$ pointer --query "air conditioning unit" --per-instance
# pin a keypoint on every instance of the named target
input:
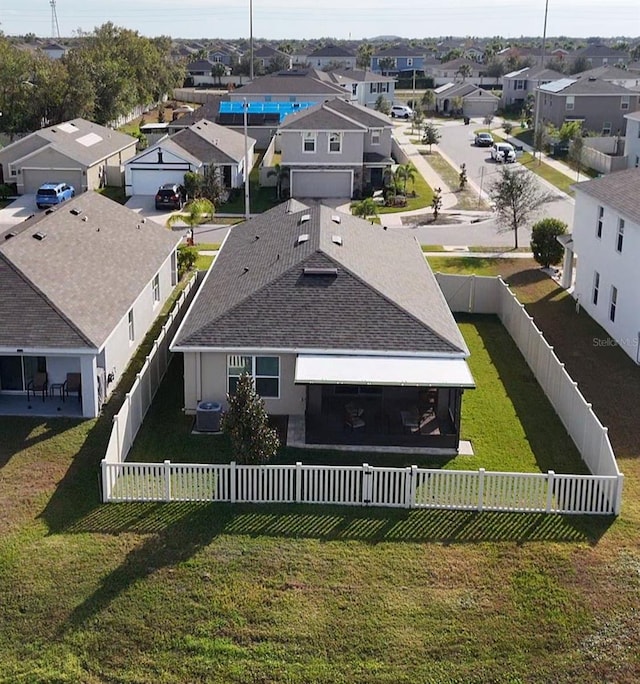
(208, 416)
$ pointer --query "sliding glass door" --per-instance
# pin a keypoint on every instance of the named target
(16, 371)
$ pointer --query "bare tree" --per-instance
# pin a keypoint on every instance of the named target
(517, 197)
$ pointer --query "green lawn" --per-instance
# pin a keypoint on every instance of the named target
(261, 199)
(423, 197)
(114, 193)
(466, 199)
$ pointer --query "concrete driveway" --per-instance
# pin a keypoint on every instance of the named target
(19, 210)
(145, 205)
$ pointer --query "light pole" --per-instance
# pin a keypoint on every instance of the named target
(247, 206)
(536, 124)
(251, 39)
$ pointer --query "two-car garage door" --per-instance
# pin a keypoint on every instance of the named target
(32, 179)
(321, 184)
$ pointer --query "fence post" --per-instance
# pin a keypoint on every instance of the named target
(167, 480)
(106, 486)
(366, 484)
(480, 489)
(232, 481)
(472, 293)
(618, 502)
(298, 481)
(411, 486)
(550, 477)
(116, 426)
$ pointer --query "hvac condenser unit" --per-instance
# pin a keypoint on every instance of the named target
(208, 416)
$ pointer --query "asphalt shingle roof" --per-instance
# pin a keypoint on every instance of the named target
(336, 115)
(87, 271)
(620, 190)
(587, 86)
(212, 144)
(294, 82)
(383, 296)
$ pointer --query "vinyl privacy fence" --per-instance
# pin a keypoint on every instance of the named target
(364, 485)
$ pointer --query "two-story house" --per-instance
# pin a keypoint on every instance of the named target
(295, 85)
(394, 60)
(632, 140)
(599, 105)
(599, 55)
(518, 85)
(365, 86)
(266, 56)
(335, 149)
(458, 70)
(332, 56)
(613, 74)
(606, 241)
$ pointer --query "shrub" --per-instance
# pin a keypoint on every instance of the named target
(187, 257)
(547, 251)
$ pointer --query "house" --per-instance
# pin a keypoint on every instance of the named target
(365, 86)
(613, 74)
(302, 85)
(267, 57)
(606, 242)
(80, 287)
(300, 299)
(599, 105)
(201, 146)
(458, 70)
(393, 60)
(632, 140)
(79, 152)
(475, 100)
(332, 56)
(597, 55)
(335, 149)
(54, 50)
(518, 85)
(474, 52)
(200, 73)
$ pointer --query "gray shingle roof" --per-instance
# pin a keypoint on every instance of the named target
(212, 144)
(400, 51)
(295, 82)
(331, 51)
(588, 86)
(336, 115)
(90, 271)
(384, 296)
(359, 75)
(620, 190)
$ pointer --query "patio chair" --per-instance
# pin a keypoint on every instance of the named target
(353, 420)
(72, 384)
(38, 383)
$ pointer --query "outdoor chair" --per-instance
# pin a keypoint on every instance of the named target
(38, 383)
(353, 421)
(73, 384)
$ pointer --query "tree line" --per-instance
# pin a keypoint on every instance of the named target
(110, 72)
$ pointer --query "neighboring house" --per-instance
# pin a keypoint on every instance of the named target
(300, 298)
(54, 50)
(301, 85)
(474, 52)
(200, 72)
(365, 87)
(599, 105)
(606, 241)
(335, 149)
(475, 101)
(613, 74)
(632, 140)
(518, 85)
(220, 56)
(80, 287)
(266, 55)
(458, 70)
(394, 60)
(204, 145)
(209, 110)
(332, 56)
(600, 55)
(79, 152)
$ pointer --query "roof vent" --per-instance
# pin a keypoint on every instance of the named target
(335, 218)
(39, 235)
(314, 271)
(75, 211)
(592, 78)
(336, 239)
(304, 218)
(302, 238)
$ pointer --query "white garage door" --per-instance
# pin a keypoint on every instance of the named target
(32, 179)
(321, 184)
(147, 181)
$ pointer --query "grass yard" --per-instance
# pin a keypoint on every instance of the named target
(261, 199)
(466, 199)
(173, 593)
(114, 193)
(423, 197)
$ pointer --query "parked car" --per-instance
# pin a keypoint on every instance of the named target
(483, 140)
(401, 112)
(503, 152)
(50, 194)
(170, 196)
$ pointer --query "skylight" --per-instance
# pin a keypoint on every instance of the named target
(67, 127)
(89, 139)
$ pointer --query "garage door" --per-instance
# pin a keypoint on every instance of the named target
(321, 184)
(147, 181)
(32, 179)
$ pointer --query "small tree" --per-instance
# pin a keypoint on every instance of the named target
(196, 212)
(488, 120)
(187, 257)
(382, 105)
(430, 135)
(507, 127)
(463, 176)
(457, 105)
(281, 173)
(193, 184)
(247, 424)
(547, 251)
(364, 208)
(575, 153)
(517, 197)
(428, 100)
(436, 202)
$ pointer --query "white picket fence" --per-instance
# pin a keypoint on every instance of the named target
(364, 485)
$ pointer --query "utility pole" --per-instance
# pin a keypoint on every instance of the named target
(55, 28)
(536, 124)
(251, 39)
(247, 205)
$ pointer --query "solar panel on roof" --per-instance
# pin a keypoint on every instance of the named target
(276, 109)
(557, 86)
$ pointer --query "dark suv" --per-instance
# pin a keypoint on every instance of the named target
(170, 196)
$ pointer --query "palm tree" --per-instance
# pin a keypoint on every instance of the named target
(465, 71)
(406, 172)
(281, 173)
(365, 52)
(196, 212)
(364, 208)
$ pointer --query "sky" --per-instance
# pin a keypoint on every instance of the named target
(357, 19)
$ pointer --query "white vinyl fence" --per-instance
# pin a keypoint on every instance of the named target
(364, 485)
(128, 420)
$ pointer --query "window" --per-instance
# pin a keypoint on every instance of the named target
(309, 142)
(606, 128)
(265, 371)
(155, 289)
(519, 85)
(600, 222)
(335, 142)
(375, 136)
(613, 303)
(132, 331)
(624, 102)
(596, 288)
(620, 236)
(570, 102)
